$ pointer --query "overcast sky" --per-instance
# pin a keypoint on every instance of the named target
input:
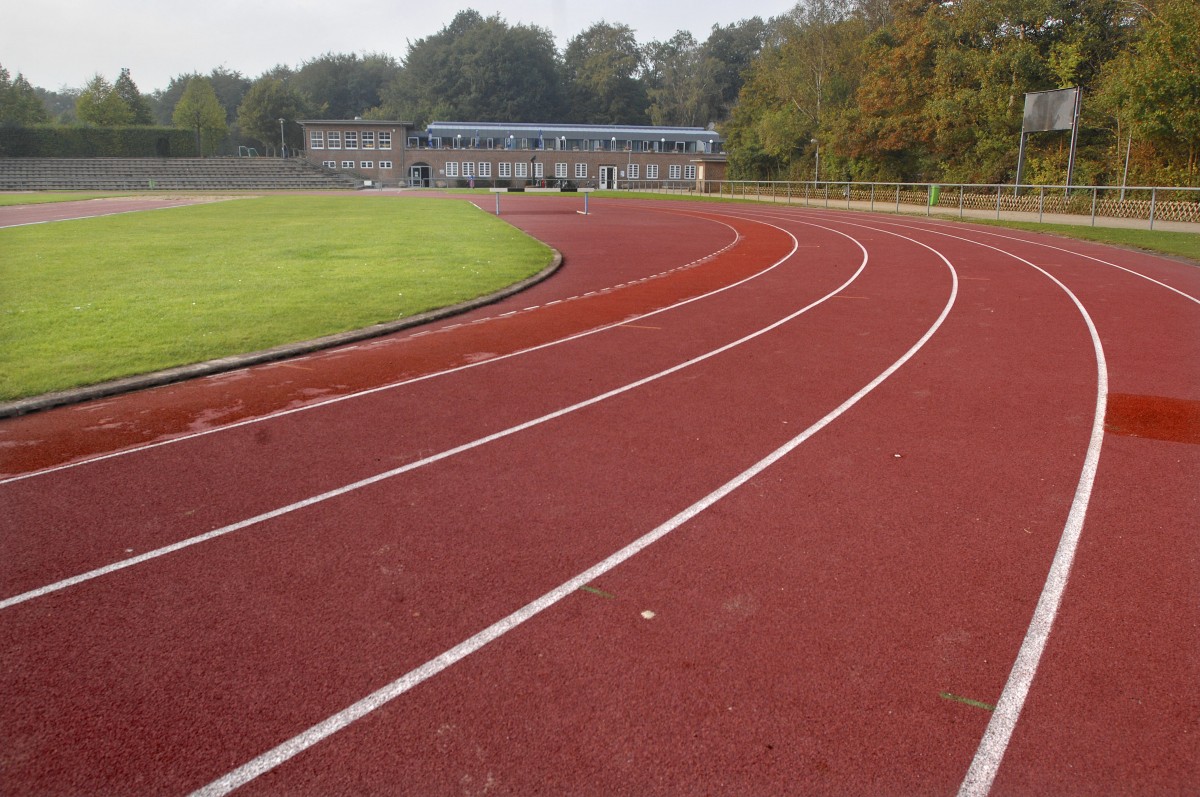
(57, 43)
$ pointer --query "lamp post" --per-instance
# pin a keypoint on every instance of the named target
(282, 145)
(816, 161)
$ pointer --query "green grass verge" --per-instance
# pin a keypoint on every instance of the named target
(90, 300)
(1180, 244)
(45, 198)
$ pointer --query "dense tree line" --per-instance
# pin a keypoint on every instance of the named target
(921, 90)
(918, 90)
(476, 67)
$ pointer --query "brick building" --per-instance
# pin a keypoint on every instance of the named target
(491, 154)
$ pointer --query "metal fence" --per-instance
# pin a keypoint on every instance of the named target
(1138, 206)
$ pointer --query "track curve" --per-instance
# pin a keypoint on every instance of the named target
(863, 439)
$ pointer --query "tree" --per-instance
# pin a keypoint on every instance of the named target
(99, 105)
(602, 67)
(807, 73)
(19, 103)
(229, 86)
(729, 52)
(480, 70)
(199, 110)
(680, 82)
(268, 101)
(128, 92)
(1159, 81)
(341, 86)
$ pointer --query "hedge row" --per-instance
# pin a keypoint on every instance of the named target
(96, 142)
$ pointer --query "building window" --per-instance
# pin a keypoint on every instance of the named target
(560, 170)
(329, 164)
(452, 169)
(651, 171)
(689, 172)
(413, 141)
(347, 164)
(316, 139)
(485, 169)
(335, 139)
(537, 169)
(366, 164)
(581, 170)
(635, 171)
(674, 171)
(385, 164)
(435, 142)
(351, 139)
(468, 168)
(505, 170)
(368, 138)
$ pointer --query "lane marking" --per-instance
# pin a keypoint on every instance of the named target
(379, 477)
(183, 204)
(1187, 296)
(992, 747)
(336, 722)
(391, 386)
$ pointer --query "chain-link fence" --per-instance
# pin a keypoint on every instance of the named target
(1140, 206)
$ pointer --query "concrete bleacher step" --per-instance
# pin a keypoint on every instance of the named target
(170, 174)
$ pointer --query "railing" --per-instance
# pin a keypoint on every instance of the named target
(1112, 205)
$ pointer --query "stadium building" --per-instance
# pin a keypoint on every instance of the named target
(491, 154)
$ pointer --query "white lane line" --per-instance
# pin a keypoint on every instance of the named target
(1187, 296)
(183, 204)
(358, 485)
(331, 725)
(994, 743)
(404, 382)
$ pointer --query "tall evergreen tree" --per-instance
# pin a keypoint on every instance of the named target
(20, 105)
(138, 106)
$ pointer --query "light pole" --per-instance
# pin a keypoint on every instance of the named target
(282, 145)
(816, 161)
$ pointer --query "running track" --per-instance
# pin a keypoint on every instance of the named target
(742, 501)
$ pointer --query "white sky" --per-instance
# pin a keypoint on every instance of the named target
(57, 43)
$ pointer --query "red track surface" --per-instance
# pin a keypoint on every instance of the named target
(815, 630)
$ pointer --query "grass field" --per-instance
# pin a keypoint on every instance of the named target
(90, 300)
(30, 198)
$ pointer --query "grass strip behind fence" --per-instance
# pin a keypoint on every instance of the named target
(90, 300)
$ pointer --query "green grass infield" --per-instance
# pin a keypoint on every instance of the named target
(91, 300)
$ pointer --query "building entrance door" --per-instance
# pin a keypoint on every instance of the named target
(419, 176)
(608, 177)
